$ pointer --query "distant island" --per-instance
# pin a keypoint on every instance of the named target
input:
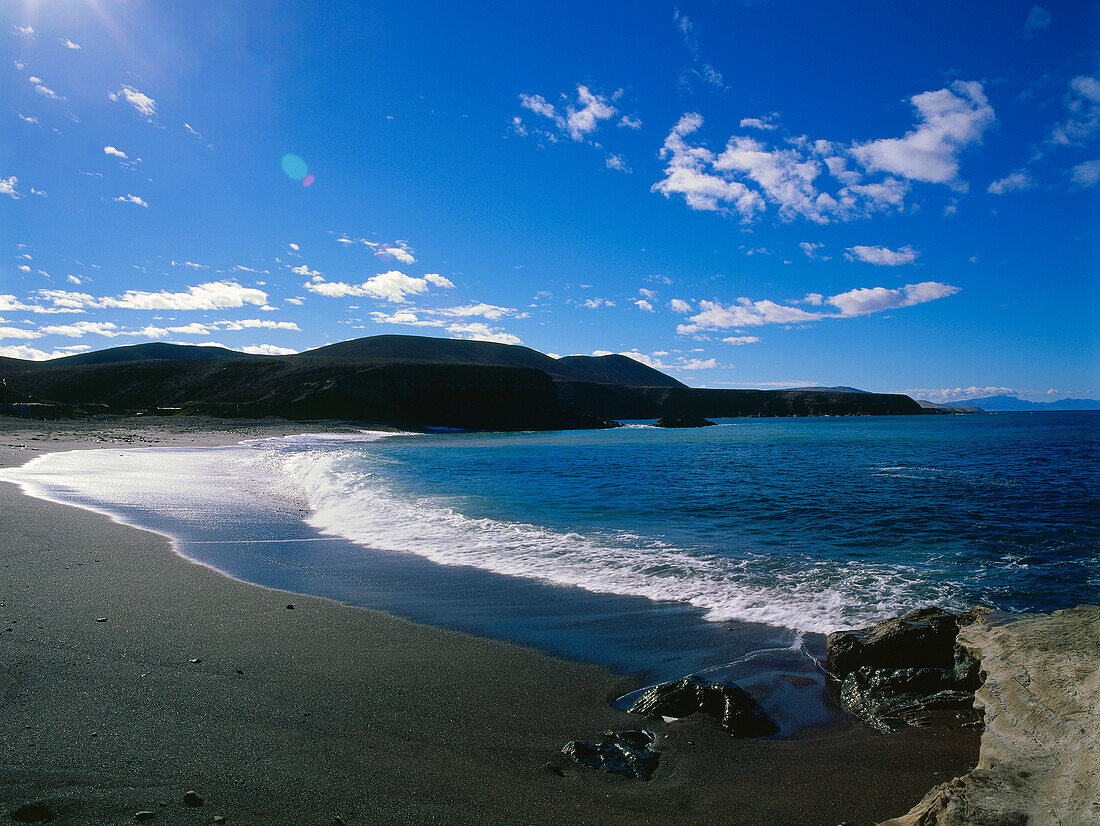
(1011, 404)
(408, 381)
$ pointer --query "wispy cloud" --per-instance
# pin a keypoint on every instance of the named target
(9, 186)
(136, 200)
(745, 312)
(68, 44)
(1037, 20)
(1085, 175)
(1017, 181)
(1082, 102)
(213, 295)
(701, 69)
(118, 153)
(142, 103)
(575, 120)
(23, 31)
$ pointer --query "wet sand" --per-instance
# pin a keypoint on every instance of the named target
(326, 710)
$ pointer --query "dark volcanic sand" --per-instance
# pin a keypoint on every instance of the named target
(298, 716)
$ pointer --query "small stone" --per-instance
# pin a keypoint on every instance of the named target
(100, 619)
(290, 607)
(140, 816)
(240, 671)
(219, 819)
(192, 798)
(32, 813)
(194, 660)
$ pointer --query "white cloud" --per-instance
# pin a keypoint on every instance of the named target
(21, 351)
(304, 271)
(78, 329)
(390, 286)
(405, 317)
(268, 350)
(478, 331)
(137, 200)
(294, 247)
(739, 340)
(213, 295)
(1017, 181)
(1083, 104)
(745, 312)
(695, 364)
(810, 248)
(398, 250)
(642, 304)
(118, 153)
(489, 311)
(947, 395)
(617, 163)
(68, 44)
(877, 299)
(24, 268)
(28, 119)
(190, 264)
(630, 121)
(72, 279)
(191, 130)
(596, 303)
(950, 120)
(43, 89)
(814, 299)
(8, 187)
(882, 256)
(142, 103)
(575, 120)
(1086, 175)
(18, 332)
(1038, 18)
(678, 305)
(297, 301)
(23, 31)
(759, 123)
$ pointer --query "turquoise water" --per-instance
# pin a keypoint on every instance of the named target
(659, 551)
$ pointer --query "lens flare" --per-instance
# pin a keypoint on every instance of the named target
(308, 179)
(294, 167)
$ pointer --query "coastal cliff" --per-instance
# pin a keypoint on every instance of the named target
(1040, 752)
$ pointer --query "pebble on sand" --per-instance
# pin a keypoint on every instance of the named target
(100, 619)
(192, 798)
(194, 660)
(146, 815)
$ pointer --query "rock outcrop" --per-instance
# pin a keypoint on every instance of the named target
(684, 421)
(625, 753)
(1039, 763)
(733, 707)
(907, 671)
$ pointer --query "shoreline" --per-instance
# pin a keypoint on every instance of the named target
(325, 720)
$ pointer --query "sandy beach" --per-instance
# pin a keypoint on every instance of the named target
(129, 676)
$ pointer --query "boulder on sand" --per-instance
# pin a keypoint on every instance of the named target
(735, 709)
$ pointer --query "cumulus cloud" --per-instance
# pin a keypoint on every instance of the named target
(267, 350)
(1017, 181)
(489, 311)
(1086, 175)
(407, 317)
(877, 299)
(118, 153)
(390, 286)
(142, 103)
(18, 332)
(21, 351)
(810, 248)
(617, 163)
(739, 340)
(213, 295)
(9, 186)
(678, 305)
(882, 256)
(643, 304)
(479, 331)
(950, 120)
(137, 200)
(78, 329)
(745, 312)
(596, 303)
(305, 271)
(764, 123)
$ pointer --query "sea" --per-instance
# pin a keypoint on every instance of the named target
(728, 551)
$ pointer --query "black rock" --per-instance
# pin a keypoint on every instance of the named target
(143, 816)
(904, 671)
(625, 753)
(192, 799)
(32, 813)
(734, 708)
(687, 420)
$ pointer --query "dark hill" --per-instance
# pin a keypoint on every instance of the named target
(407, 381)
(145, 352)
(613, 369)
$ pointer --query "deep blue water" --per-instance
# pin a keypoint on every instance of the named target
(661, 551)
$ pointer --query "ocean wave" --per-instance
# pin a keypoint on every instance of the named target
(350, 496)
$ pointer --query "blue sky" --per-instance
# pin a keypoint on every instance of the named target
(899, 197)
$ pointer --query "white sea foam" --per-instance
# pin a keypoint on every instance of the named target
(355, 501)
